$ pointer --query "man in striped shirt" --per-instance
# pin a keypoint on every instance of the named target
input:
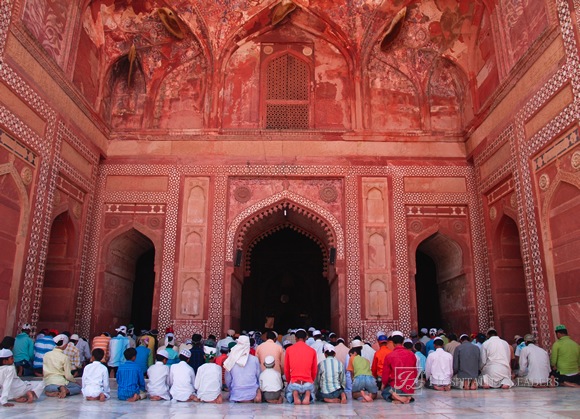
(43, 345)
(330, 379)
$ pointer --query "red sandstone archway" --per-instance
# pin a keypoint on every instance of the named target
(281, 215)
(14, 212)
(453, 277)
(508, 285)
(60, 285)
(561, 216)
(117, 277)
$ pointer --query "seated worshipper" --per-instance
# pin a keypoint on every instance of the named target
(197, 355)
(364, 385)
(143, 351)
(271, 347)
(171, 349)
(223, 343)
(24, 351)
(453, 343)
(11, 386)
(300, 370)
(379, 358)
(341, 350)
(117, 346)
(182, 379)
(331, 379)
(96, 378)
(224, 351)
(243, 373)
(43, 345)
(439, 367)
(74, 355)
(208, 380)
(158, 374)
(429, 346)
(565, 358)
(495, 360)
(534, 365)
(130, 381)
(399, 373)
(58, 379)
(466, 363)
(271, 384)
(421, 359)
(102, 341)
(83, 347)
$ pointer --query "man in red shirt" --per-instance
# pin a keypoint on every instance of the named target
(399, 373)
(300, 369)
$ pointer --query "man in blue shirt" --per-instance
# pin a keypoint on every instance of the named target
(24, 351)
(117, 346)
(130, 381)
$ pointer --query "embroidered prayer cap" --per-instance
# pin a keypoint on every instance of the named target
(286, 343)
(328, 347)
(121, 329)
(60, 337)
(6, 353)
(269, 361)
(356, 344)
(432, 331)
(317, 333)
(185, 353)
(163, 353)
(26, 326)
(397, 333)
(560, 327)
(529, 338)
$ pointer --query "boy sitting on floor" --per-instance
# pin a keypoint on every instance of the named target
(96, 378)
(130, 381)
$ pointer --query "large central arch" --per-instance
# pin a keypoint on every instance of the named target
(269, 218)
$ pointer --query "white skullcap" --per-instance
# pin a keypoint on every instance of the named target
(60, 337)
(6, 353)
(185, 353)
(397, 333)
(163, 353)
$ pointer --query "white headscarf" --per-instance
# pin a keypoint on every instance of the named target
(239, 354)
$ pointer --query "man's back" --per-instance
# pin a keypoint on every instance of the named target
(300, 363)
(565, 355)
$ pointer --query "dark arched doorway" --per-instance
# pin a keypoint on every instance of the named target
(286, 282)
(57, 309)
(442, 286)
(126, 292)
(428, 308)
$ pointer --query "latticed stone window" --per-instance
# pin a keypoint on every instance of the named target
(286, 100)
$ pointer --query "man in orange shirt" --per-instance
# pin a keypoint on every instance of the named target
(102, 342)
(379, 359)
(270, 347)
(300, 369)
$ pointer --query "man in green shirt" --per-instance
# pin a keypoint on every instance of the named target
(565, 359)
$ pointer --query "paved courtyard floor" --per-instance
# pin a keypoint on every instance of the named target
(521, 403)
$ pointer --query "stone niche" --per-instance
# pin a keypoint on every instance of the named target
(192, 251)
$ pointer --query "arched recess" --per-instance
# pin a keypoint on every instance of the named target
(508, 284)
(562, 241)
(128, 279)
(286, 215)
(441, 279)
(60, 284)
(314, 36)
(14, 209)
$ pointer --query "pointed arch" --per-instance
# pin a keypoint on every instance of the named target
(328, 225)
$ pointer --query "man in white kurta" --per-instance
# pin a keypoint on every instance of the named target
(439, 367)
(13, 388)
(96, 378)
(208, 380)
(495, 362)
(182, 379)
(534, 363)
(158, 373)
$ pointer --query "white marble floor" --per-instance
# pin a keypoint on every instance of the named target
(519, 402)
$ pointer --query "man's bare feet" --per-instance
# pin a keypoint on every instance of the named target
(343, 399)
(91, 399)
(30, 396)
(366, 397)
(219, 400)
(154, 398)
(306, 399)
(62, 392)
(473, 385)
(331, 400)
(258, 398)
(22, 399)
(51, 393)
(102, 397)
(505, 387)
(133, 398)
(8, 405)
(296, 397)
